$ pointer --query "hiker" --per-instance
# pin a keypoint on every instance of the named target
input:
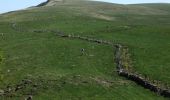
(82, 51)
(29, 98)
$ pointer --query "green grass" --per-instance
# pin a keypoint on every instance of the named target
(27, 54)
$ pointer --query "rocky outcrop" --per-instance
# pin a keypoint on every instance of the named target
(50, 3)
(44, 3)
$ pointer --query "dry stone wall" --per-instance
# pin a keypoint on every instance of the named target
(122, 61)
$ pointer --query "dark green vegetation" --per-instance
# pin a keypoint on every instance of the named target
(0, 57)
(57, 67)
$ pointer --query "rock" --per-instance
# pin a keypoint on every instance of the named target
(69, 36)
(26, 81)
(8, 71)
(9, 89)
(73, 65)
(2, 92)
(91, 55)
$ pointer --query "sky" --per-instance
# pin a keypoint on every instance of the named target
(11, 5)
(135, 1)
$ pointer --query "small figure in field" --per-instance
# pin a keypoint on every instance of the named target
(82, 51)
(29, 98)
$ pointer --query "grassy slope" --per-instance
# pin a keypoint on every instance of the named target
(44, 55)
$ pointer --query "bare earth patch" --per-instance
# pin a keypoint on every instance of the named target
(101, 16)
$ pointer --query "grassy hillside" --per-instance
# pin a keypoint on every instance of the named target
(57, 68)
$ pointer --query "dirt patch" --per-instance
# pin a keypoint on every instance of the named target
(108, 83)
(102, 16)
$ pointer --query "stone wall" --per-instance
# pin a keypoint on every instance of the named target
(122, 61)
(137, 78)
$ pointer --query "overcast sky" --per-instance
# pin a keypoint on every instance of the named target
(10, 5)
